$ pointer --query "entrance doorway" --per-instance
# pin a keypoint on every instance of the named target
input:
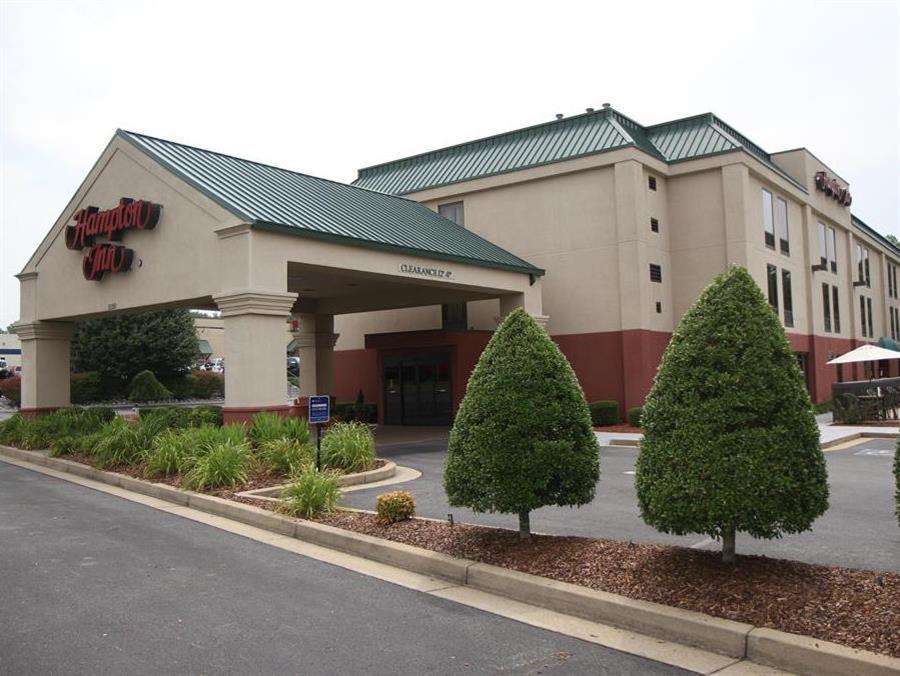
(417, 389)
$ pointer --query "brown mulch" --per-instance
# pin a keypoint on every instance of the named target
(856, 608)
(631, 429)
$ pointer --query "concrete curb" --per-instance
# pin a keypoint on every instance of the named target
(857, 435)
(386, 471)
(800, 654)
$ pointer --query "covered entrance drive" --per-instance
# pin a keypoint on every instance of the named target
(157, 224)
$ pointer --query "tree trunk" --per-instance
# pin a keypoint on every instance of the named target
(524, 525)
(728, 546)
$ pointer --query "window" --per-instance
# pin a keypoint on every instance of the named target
(869, 305)
(826, 307)
(823, 245)
(651, 182)
(768, 219)
(654, 225)
(893, 292)
(862, 266)
(772, 276)
(655, 273)
(836, 307)
(832, 249)
(787, 298)
(781, 223)
(658, 308)
(893, 313)
(454, 212)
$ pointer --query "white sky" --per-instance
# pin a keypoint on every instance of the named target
(326, 88)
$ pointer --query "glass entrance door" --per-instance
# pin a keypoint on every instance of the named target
(417, 390)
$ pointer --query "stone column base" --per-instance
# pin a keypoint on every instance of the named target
(35, 412)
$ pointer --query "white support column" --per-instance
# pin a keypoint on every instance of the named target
(255, 349)
(315, 349)
(531, 300)
(45, 365)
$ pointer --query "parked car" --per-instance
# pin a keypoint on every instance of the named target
(293, 366)
(5, 371)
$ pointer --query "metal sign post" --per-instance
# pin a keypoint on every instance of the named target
(319, 414)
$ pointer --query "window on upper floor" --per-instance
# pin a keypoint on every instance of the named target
(823, 244)
(787, 297)
(654, 225)
(781, 225)
(655, 273)
(772, 283)
(453, 211)
(865, 317)
(768, 219)
(832, 249)
(651, 182)
(862, 266)
(893, 292)
(836, 308)
(826, 307)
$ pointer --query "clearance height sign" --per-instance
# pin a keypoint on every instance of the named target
(109, 256)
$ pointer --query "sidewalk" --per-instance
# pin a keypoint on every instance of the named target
(828, 433)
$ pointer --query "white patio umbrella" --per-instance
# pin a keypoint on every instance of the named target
(865, 353)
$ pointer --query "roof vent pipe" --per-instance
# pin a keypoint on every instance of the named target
(589, 110)
(559, 116)
(606, 105)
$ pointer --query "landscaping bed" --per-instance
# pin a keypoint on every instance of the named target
(856, 608)
(630, 429)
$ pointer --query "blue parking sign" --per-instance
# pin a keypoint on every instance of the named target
(319, 409)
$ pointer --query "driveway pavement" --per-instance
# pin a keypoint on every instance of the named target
(859, 530)
(93, 584)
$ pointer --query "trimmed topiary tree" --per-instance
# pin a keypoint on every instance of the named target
(145, 387)
(522, 438)
(730, 438)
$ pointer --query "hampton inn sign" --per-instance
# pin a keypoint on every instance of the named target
(91, 223)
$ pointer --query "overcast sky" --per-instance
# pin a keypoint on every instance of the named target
(326, 88)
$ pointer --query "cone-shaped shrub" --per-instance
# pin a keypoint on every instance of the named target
(522, 437)
(730, 438)
(145, 387)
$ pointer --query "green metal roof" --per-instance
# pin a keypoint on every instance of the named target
(272, 198)
(203, 346)
(565, 139)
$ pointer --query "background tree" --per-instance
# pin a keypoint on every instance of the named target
(522, 437)
(118, 348)
(9, 329)
(730, 438)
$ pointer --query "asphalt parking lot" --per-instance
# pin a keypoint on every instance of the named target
(859, 530)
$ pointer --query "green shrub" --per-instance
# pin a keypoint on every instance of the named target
(310, 493)
(11, 430)
(287, 456)
(295, 381)
(206, 385)
(269, 426)
(207, 415)
(730, 440)
(823, 407)
(522, 437)
(224, 465)
(604, 413)
(395, 506)
(348, 446)
(168, 453)
(847, 409)
(170, 417)
(358, 411)
(64, 446)
(897, 480)
(124, 443)
(145, 387)
(87, 388)
(11, 388)
(41, 431)
(634, 416)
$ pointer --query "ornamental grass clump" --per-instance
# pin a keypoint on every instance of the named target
(310, 493)
(168, 454)
(286, 456)
(730, 440)
(522, 438)
(395, 506)
(348, 446)
(223, 466)
(42, 431)
(124, 443)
